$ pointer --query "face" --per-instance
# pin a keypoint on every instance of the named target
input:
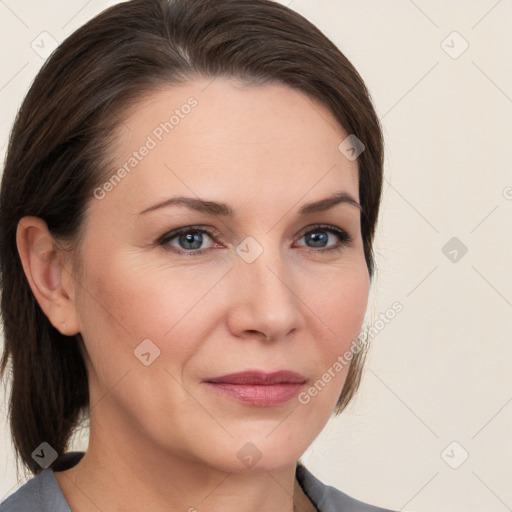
(176, 297)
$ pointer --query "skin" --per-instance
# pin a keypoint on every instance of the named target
(160, 439)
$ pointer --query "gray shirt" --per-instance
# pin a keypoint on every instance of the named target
(43, 494)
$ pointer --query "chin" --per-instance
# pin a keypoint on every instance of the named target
(263, 452)
(242, 454)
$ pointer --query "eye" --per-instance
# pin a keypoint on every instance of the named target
(189, 240)
(319, 237)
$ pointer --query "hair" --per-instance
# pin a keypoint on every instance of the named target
(58, 154)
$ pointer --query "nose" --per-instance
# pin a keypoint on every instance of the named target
(264, 303)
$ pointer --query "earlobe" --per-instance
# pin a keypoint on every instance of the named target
(47, 274)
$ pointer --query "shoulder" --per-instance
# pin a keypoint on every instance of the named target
(42, 492)
(31, 496)
(330, 499)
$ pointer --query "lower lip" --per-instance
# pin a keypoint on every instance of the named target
(263, 395)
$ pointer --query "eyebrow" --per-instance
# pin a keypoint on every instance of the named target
(222, 209)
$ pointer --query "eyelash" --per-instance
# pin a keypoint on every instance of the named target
(345, 238)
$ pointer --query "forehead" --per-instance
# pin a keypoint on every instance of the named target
(220, 139)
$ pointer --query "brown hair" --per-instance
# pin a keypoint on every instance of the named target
(58, 147)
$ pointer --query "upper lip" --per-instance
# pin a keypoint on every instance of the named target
(257, 377)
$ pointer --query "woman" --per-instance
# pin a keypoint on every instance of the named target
(188, 209)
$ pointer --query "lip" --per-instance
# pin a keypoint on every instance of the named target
(258, 388)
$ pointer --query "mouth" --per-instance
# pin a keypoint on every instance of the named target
(258, 388)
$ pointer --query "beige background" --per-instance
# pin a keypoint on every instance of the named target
(438, 373)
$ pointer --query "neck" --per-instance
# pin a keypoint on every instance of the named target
(117, 473)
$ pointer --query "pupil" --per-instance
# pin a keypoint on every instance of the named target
(189, 238)
(318, 237)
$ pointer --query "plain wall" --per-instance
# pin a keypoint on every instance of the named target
(437, 385)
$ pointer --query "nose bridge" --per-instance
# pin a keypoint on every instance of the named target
(265, 300)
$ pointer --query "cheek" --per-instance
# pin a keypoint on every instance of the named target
(347, 305)
(123, 303)
(340, 304)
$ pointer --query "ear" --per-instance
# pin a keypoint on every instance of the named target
(49, 274)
